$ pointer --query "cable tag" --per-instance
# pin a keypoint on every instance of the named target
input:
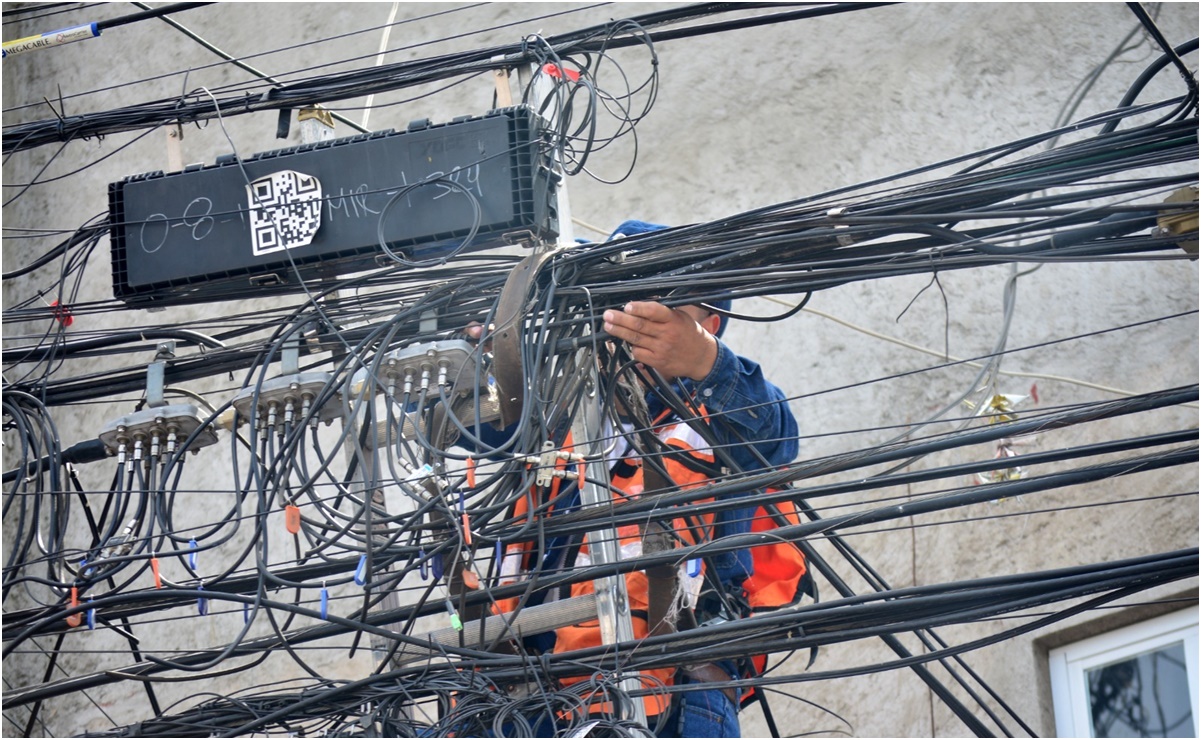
(466, 520)
(202, 604)
(360, 573)
(324, 602)
(420, 474)
(51, 38)
(194, 554)
(292, 518)
(75, 619)
(470, 579)
(694, 567)
(158, 579)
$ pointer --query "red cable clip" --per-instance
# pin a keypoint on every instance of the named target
(62, 314)
(555, 70)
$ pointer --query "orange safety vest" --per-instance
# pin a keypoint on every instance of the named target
(587, 634)
(775, 582)
(778, 567)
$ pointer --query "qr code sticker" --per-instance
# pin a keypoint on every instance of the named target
(285, 211)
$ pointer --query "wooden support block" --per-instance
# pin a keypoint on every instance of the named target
(174, 148)
(504, 94)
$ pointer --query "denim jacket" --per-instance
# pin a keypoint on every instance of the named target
(747, 414)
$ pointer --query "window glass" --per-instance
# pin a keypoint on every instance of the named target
(1137, 681)
(1143, 696)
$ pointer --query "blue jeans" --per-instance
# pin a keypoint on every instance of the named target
(702, 713)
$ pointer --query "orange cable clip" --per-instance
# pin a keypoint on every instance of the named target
(292, 518)
(75, 619)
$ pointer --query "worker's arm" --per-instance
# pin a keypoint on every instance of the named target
(745, 407)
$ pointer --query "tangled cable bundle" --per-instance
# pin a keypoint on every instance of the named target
(384, 461)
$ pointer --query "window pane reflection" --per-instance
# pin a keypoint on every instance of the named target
(1144, 696)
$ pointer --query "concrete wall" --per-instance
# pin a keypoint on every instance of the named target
(743, 119)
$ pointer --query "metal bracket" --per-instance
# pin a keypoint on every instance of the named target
(506, 351)
(156, 375)
(612, 600)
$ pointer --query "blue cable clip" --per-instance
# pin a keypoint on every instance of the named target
(245, 613)
(194, 554)
(360, 573)
(423, 564)
(202, 604)
(500, 555)
(436, 562)
(324, 602)
(694, 567)
(91, 616)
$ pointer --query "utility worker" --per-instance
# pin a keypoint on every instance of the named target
(751, 422)
(682, 344)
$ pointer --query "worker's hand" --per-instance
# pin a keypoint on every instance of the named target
(474, 331)
(670, 340)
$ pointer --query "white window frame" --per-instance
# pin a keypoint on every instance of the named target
(1069, 664)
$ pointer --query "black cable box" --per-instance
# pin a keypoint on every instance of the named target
(270, 223)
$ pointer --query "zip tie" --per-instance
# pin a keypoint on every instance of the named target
(202, 604)
(292, 518)
(360, 573)
(694, 567)
(158, 579)
(75, 619)
(454, 617)
(324, 602)
(91, 616)
(194, 554)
